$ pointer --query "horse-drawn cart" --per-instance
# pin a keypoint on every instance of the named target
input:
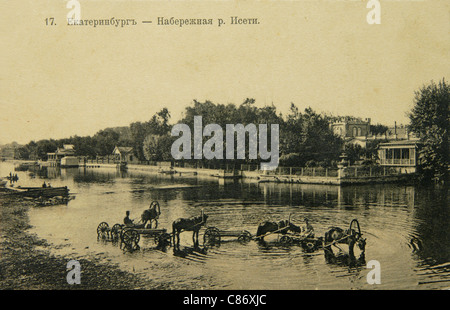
(309, 244)
(129, 237)
(213, 235)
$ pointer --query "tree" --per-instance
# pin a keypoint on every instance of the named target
(309, 137)
(429, 119)
(157, 148)
(105, 141)
(157, 125)
(378, 129)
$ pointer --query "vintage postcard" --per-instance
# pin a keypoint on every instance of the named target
(224, 146)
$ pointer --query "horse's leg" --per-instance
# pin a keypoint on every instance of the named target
(156, 223)
(173, 236)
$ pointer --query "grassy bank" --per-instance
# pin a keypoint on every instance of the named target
(26, 261)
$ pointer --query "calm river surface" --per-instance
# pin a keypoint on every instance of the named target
(407, 229)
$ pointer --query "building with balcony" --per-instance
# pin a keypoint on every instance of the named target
(67, 152)
(401, 154)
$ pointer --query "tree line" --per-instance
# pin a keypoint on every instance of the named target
(306, 138)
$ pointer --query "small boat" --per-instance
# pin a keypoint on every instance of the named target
(36, 191)
(167, 171)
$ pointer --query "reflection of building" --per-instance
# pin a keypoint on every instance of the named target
(64, 156)
(402, 154)
(124, 154)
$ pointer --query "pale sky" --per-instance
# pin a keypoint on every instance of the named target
(59, 81)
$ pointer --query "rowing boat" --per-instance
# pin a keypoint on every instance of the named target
(36, 191)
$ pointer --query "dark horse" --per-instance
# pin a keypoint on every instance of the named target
(281, 227)
(351, 237)
(152, 213)
(188, 224)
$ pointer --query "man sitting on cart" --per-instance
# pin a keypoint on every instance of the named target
(129, 222)
(307, 230)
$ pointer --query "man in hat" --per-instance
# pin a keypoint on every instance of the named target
(127, 221)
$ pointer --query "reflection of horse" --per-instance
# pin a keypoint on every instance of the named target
(351, 237)
(281, 227)
(188, 224)
(152, 213)
(195, 253)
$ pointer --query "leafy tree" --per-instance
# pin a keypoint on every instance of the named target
(157, 125)
(157, 148)
(429, 119)
(105, 141)
(309, 136)
(378, 129)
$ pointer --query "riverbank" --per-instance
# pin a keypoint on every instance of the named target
(322, 176)
(26, 261)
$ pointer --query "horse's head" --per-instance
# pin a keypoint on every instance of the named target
(201, 219)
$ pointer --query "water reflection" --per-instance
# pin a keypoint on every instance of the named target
(407, 228)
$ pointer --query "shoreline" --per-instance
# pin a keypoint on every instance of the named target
(26, 262)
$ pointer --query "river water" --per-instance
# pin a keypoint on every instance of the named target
(407, 229)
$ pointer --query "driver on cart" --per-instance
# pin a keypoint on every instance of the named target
(129, 222)
(307, 230)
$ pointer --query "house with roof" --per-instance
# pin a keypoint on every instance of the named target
(63, 156)
(124, 154)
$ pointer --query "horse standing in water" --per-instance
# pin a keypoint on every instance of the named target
(151, 214)
(281, 227)
(188, 224)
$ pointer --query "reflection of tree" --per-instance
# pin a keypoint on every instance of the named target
(432, 225)
(92, 177)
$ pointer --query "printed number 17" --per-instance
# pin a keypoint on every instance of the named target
(50, 21)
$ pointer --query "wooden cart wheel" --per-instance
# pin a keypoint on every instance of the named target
(211, 235)
(102, 229)
(286, 240)
(309, 246)
(130, 239)
(245, 236)
(115, 231)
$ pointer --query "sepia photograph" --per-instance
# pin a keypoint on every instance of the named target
(210, 146)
